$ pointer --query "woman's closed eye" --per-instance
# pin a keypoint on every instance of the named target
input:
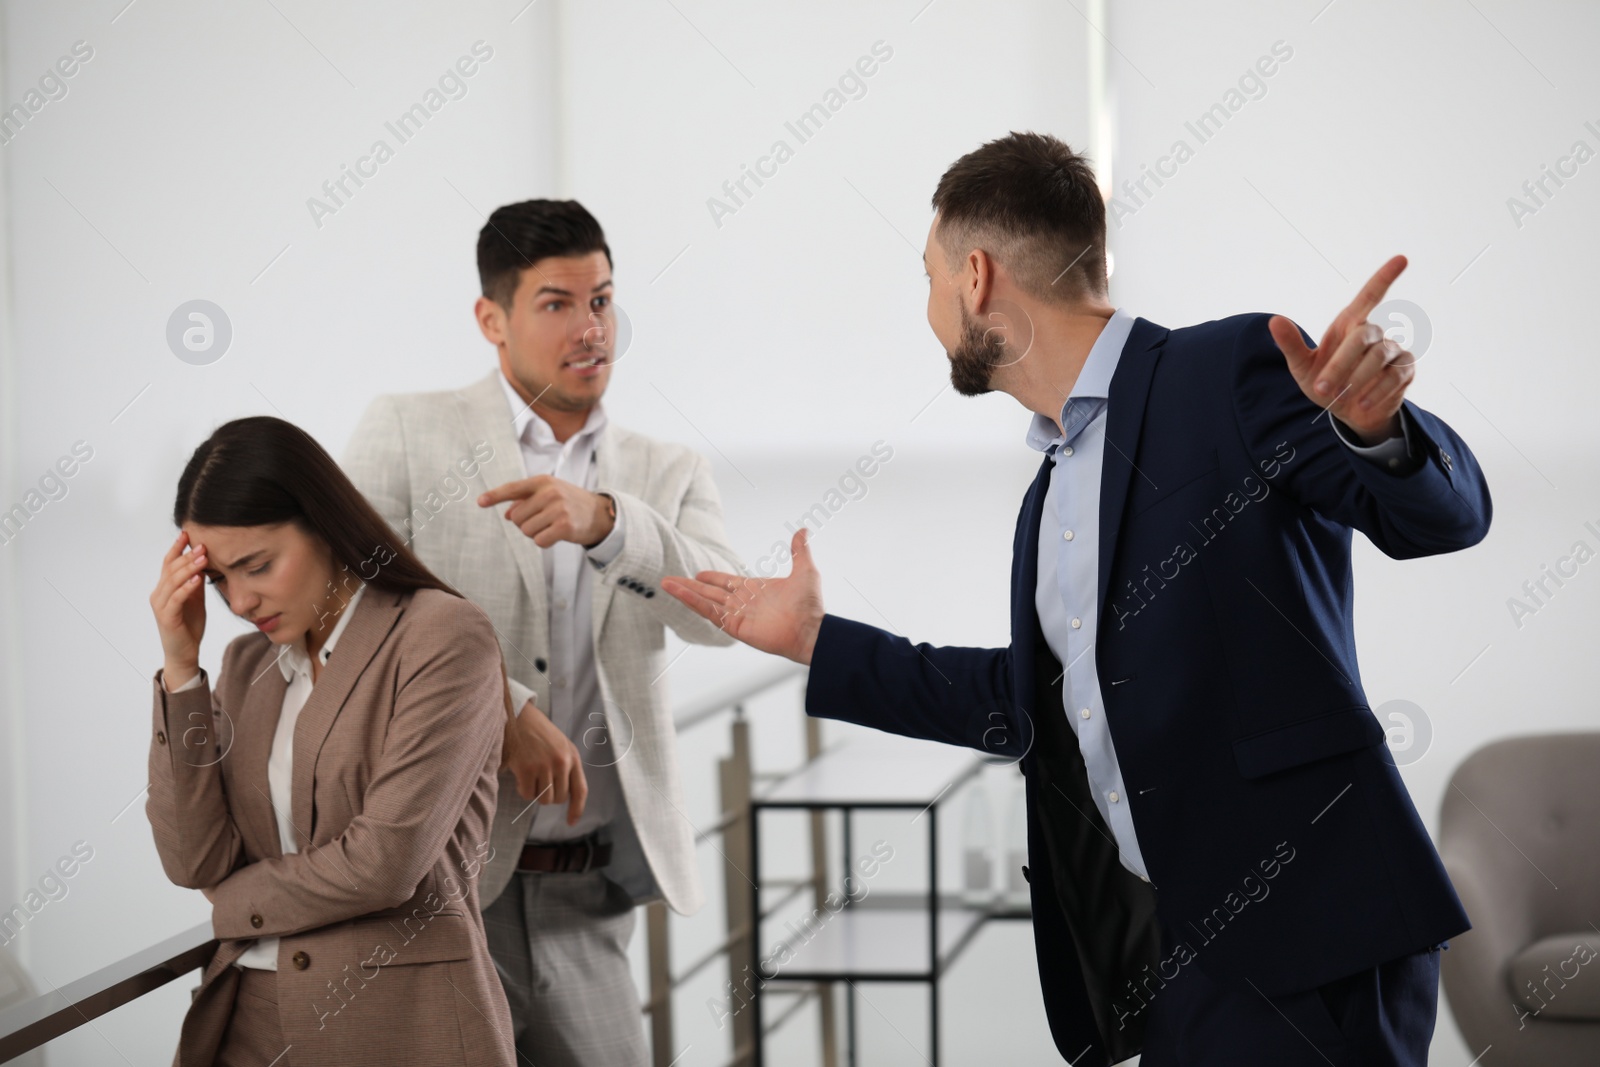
(219, 579)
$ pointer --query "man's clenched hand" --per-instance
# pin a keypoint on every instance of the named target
(545, 761)
(548, 510)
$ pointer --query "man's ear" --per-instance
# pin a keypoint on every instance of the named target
(491, 320)
(977, 280)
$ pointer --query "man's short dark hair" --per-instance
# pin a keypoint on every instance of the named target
(519, 235)
(1033, 204)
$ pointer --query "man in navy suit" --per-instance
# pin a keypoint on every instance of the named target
(1225, 865)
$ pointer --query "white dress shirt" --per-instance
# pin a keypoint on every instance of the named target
(1069, 559)
(576, 706)
(295, 664)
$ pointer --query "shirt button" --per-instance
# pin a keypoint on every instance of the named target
(1067, 451)
(561, 605)
(1077, 624)
(561, 683)
(1084, 714)
(1066, 535)
(256, 920)
(1113, 796)
(161, 738)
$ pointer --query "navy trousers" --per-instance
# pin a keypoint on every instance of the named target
(1380, 1017)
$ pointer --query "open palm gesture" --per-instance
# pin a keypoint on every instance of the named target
(777, 615)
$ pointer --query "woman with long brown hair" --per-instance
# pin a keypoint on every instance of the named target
(332, 792)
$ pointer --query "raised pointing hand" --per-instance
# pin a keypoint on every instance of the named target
(1355, 373)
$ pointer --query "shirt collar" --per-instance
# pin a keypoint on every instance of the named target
(294, 659)
(1094, 380)
(529, 427)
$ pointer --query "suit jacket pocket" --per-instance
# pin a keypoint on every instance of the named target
(1146, 497)
(1329, 733)
(420, 937)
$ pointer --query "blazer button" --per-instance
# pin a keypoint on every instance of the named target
(1025, 877)
(539, 665)
(161, 737)
(256, 920)
(301, 961)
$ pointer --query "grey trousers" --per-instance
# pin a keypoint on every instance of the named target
(560, 944)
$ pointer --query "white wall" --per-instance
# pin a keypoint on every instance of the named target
(13, 787)
(1404, 127)
(808, 302)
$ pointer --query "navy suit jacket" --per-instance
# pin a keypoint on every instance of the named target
(1282, 845)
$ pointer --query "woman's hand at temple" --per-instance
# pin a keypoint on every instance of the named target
(777, 615)
(179, 604)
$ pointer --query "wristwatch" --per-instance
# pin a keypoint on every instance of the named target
(611, 510)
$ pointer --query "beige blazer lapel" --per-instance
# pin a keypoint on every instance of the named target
(257, 723)
(610, 470)
(374, 617)
(485, 416)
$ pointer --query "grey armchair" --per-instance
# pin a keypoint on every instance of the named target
(1520, 836)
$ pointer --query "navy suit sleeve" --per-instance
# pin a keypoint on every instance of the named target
(1439, 505)
(960, 696)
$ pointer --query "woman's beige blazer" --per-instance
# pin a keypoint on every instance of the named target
(382, 957)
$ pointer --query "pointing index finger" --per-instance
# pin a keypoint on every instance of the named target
(1373, 292)
(514, 490)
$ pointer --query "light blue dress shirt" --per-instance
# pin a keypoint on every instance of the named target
(1069, 560)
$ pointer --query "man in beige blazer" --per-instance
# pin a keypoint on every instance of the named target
(569, 575)
(408, 981)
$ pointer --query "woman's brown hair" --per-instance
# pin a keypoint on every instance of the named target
(261, 471)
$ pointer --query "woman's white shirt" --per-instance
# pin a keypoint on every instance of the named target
(295, 664)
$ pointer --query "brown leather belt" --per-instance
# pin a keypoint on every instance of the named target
(584, 854)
